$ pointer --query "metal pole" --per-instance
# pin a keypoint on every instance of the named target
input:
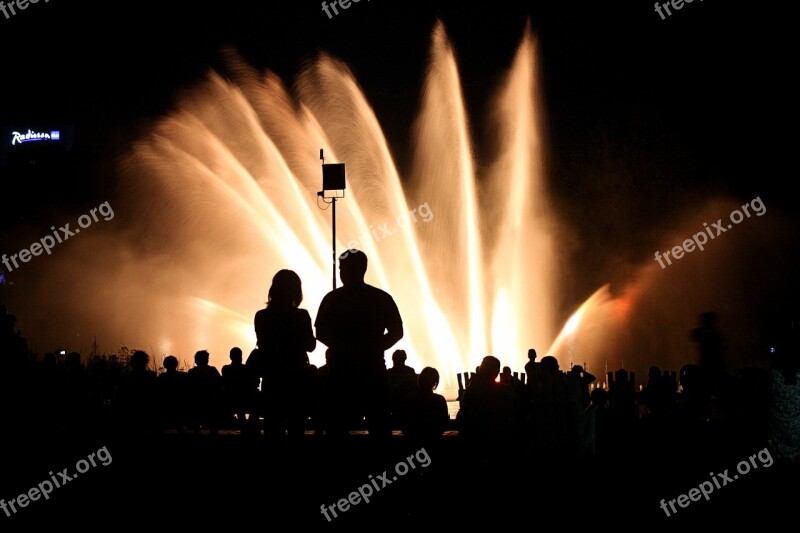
(333, 240)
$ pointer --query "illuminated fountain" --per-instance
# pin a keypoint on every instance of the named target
(221, 194)
(231, 177)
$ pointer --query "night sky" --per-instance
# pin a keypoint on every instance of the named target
(645, 119)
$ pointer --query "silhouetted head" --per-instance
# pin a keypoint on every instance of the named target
(139, 360)
(286, 289)
(654, 373)
(490, 367)
(352, 266)
(507, 370)
(532, 354)
(171, 363)
(399, 357)
(73, 361)
(577, 369)
(549, 362)
(708, 319)
(428, 379)
(236, 354)
(201, 358)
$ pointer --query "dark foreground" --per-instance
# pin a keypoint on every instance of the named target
(231, 481)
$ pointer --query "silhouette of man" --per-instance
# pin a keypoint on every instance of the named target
(171, 388)
(205, 384)
(399, 366)
(711, 348)
(402, 381)
(239, 388)
(534, 372)
(358, 323)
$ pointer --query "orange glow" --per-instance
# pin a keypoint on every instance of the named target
(584, 327)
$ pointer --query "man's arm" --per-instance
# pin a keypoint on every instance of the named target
(394, 332)
(394, 325)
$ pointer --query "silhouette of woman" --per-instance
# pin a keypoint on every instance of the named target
(284, 339)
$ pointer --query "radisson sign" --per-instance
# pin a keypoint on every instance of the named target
(34, 136)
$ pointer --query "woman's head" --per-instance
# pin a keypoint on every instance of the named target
(286, 289)
(428, 379)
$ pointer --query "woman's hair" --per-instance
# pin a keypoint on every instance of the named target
(428, 379)
(286, 289)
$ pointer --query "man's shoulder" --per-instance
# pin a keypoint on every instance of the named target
(333, 295)
(377, 290)
(380, 296)
(347, 293)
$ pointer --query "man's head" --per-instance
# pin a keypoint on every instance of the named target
(550, 363)
(399, 357)
(532, 354)
(139, 360)
(352, 267)
(707, 319)
(490, 367)
(201, 358)
(236, 354)
(171, 363)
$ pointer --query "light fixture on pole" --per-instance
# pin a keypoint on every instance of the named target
(333, 186)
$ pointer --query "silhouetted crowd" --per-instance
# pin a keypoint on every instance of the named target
(277, 393)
